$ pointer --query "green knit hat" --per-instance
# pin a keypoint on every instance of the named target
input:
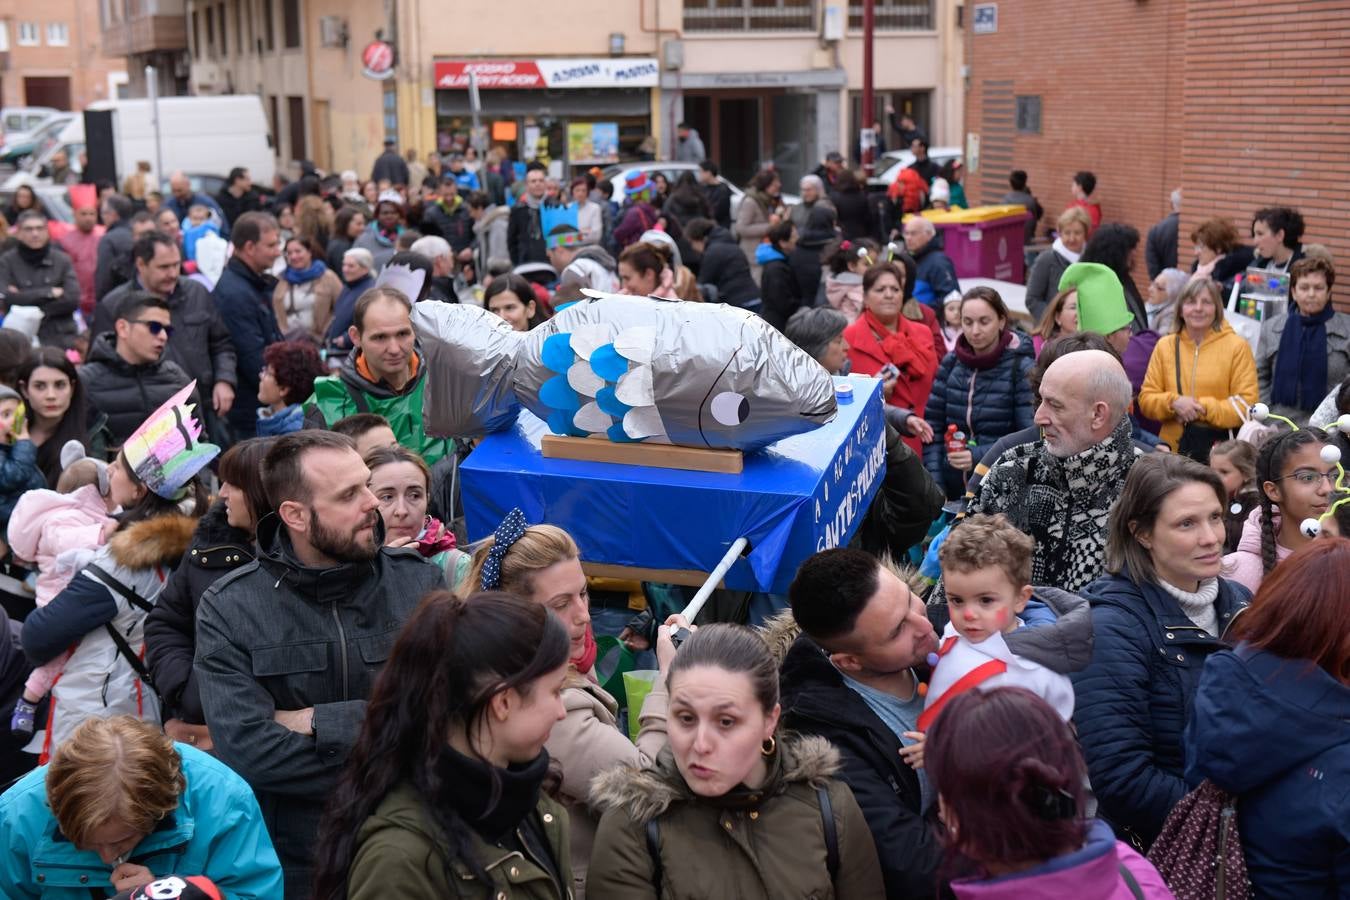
(1101, 299)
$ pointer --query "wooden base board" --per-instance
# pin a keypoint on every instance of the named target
(662, 456)
(686, 577)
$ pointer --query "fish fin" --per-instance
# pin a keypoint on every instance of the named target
(636, 344)
(635, 388)
(590, 418)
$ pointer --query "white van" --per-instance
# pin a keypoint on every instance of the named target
(202, 135)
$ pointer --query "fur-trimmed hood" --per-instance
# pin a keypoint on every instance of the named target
(648, 793)
(158, 541)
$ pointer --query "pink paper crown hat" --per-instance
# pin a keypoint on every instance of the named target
(165, 452)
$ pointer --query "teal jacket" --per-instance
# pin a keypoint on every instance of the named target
(217, 831)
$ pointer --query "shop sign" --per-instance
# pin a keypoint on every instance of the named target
(986, 18)
(377, 61)
(503, 74)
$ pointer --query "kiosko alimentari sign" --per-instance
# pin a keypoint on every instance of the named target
(504, 74)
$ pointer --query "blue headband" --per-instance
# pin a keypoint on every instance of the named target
(508, 532)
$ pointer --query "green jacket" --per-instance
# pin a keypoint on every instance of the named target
(401, 853)
(766, 844)
(336, 397)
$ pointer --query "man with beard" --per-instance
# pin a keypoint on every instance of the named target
(852, 677)
(289, 645)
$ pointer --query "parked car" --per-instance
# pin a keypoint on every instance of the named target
(888, 167)
(673, 170)
(17, 121)
(210, 185)
(18, 146)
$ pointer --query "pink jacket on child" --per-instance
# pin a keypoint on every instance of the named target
(46, 524)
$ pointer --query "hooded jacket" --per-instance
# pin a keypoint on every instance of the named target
(1062, 502)
(936, 277)
(1221, 367)
(1134, 698)
(1054, 640)
(724, 265)
(1244, 564)
(984, 404)
(275, 634)
(816, 701)
(216, 831)
(758, 844)
(201, 344)
(97, 679)
(591, 267)
(1293, 808)
(171, 627)
(1093, 871)
(128, 393)
(490, 233)
(351, 391)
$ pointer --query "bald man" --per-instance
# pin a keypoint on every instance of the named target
(1060, 488)
(182, 198)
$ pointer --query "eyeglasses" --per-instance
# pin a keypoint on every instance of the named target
(1309, 477)
(156, 328)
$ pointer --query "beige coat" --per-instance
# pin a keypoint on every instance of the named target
(308, 306)
(589, 742)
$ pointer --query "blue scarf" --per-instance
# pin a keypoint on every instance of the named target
(300, 276)
(1300, 378)
(292, 418)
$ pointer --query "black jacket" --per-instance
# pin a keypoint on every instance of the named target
(854, 213)
(719, 198)
(114, 265)
(244, 299)
(390, 167)
(724, 266)
(277, 635)
(201, 342)
(453, 225)
(171, 627)
(35, 284)
(127, 394)
(1160, 249)
(779, 292)
(817, 701)
(525, 235)
(233, 207)
(908, 502)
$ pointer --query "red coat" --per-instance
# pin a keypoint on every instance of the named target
(916, 359)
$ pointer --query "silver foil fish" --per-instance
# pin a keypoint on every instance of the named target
(635, 369)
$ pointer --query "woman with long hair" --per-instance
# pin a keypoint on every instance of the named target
(104, 607)
(1289, 676)
(1157, 615)
(1116, 246)
(511, 297)
(347, 227)
(1060, 318)
(307, 291)
(542, 563)
(732, 807)
(443, 792)
(58, 411)
(222, 542)
(1010, 781)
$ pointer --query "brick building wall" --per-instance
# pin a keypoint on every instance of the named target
(1266, 91)
(78, 62)
(1242, 104)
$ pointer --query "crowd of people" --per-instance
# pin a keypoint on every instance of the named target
(251, 644)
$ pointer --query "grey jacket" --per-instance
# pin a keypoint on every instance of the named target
(1063, 646)
(25, 284)
(276, 635)
(201, 343)
(1043, 283)
(1338, 360)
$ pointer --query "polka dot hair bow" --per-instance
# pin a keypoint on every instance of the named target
(508, 532)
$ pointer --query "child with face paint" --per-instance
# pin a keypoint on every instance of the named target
(1002, 631)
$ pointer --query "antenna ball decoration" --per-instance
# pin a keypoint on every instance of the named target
(1311, 528)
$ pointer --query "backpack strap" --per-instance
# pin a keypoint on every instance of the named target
(358, 398)
(654, 850)
(131, 656)
(1128, 877)
(831, 833)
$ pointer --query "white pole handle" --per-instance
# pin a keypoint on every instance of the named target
(696, 605)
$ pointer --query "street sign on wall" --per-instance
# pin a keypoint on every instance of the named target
(377, 61)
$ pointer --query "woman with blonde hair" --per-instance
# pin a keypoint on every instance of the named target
(1074, 225)
(130, 806)
(542, 563)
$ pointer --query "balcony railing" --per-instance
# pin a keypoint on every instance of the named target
(749, 15)
(895, 15)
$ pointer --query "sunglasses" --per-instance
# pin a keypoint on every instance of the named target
(156, 328)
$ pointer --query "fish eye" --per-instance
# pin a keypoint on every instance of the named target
(730, 408)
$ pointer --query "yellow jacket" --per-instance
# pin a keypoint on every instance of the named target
(1221, 367)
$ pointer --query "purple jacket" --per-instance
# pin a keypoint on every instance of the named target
(1135, 360)
(1092, 872)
